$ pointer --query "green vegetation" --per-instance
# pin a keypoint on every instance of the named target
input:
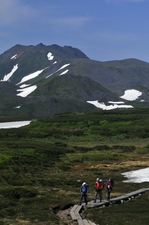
(40, 165)
(131, 212)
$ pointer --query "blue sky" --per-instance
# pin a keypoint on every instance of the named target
(103, 29)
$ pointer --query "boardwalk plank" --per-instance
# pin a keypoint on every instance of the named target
(76, 209)
(119, 199)
(74, 212)
(85, 222)
(80, 222)
(91, 223)
(73, 216)
(78, 217)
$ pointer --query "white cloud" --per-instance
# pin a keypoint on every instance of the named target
(12, 11)
(73, 22)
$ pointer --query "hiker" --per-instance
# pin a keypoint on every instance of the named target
(99, 185)
(109, 186)
(83, 191)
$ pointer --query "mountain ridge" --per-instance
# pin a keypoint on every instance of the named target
(45, 80)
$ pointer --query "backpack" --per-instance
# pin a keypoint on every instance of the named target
(102, 183)
(112, 182)
(99, 185)
(84, 189)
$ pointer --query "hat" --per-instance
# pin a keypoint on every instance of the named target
(97, 179)
(84, 184)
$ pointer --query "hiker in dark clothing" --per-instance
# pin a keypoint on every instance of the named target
(109, 186)
(83, 191)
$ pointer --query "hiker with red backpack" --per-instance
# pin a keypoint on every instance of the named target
(109, 186)
(83, 191)
(99, 185)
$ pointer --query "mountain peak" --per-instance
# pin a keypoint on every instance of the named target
(44, 80)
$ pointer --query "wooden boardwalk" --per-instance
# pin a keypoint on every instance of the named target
(119, 199)
(76, 216)
(76, 210)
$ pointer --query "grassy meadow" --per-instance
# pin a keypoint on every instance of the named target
(41, 165)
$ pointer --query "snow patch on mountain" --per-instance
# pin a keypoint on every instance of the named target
(115, 102)
(50, 56)
(24, 85)
(108, 107)
(14, 57)
(31, 76)
(7, 77)
(26, 91)
(62, 67)
(63, 72)
(131, 95)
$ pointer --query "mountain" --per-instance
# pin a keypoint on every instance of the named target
(37, 81)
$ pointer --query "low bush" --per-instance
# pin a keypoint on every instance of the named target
(18, 192)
